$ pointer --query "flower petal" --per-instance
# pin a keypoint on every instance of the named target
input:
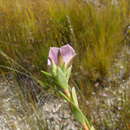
(67, 52)
(53, 55)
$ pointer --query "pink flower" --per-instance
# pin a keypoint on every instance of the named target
(66, 52)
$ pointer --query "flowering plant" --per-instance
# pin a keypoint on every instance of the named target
(60, 64)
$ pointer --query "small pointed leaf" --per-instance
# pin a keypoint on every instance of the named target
(54, 69)
(61, 78)
(74, 96)
(68, 72)
(46, 73)
(78, 114)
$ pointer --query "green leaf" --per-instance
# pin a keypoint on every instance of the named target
(74, 96)
(46, 73)
(54, 69)
(61, 78)
(75, 110)
(78, 114)
(68, 72)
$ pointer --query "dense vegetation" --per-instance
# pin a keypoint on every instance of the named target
(96, 31)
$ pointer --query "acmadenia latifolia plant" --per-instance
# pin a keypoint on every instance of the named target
(60, 64)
